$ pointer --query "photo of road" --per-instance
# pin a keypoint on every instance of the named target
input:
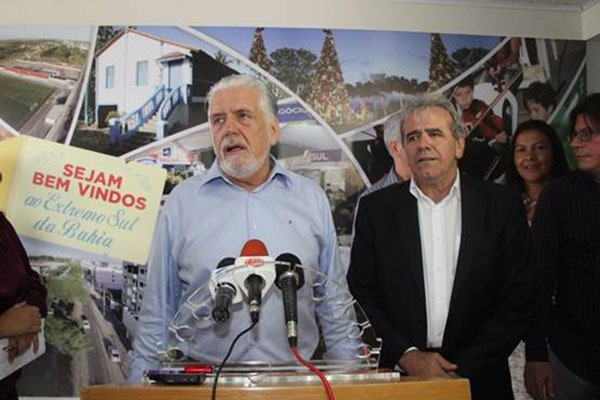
(91, 346)
(41, 73)
(96, 367)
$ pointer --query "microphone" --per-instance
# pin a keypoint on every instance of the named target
(254, 253)
(289, 278)
(226, 291)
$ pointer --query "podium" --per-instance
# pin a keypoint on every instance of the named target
(389, 388)
(336, 336)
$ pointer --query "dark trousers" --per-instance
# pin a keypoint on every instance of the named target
(492, 383)
(569, 386)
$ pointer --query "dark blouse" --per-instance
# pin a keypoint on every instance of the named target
(18, 282)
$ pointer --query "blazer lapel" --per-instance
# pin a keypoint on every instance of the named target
(473, 208)
(407, 219)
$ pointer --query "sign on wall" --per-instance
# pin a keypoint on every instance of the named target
(79, 198)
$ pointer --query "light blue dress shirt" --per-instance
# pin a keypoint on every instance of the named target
(207, 218)
(388, 179)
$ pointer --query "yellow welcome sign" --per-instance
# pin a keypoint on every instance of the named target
(79, 198)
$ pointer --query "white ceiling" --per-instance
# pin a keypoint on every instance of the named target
(558, 19)
(564, 5)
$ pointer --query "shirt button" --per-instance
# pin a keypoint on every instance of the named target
(254, 227)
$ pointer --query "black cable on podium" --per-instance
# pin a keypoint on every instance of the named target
(216, 379)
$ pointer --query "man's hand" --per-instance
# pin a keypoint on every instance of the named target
(20, 319)
(424, 363)
(17, 345)
(539, 380)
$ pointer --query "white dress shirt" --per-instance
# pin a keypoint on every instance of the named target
(440, 229)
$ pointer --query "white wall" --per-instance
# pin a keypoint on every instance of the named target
(351, 14)
(593, 65)
(590, 22)
(590, 27)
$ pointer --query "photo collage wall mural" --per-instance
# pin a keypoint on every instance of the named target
(138, 94)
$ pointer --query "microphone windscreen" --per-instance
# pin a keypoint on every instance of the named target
(226, 262)
(254, 248)
(288, 261)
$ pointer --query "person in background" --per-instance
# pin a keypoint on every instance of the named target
(22, 303)
(536, 158)
(486, 139)
(563, 349)
(400, 171)
(506, 62)
(540, 101)
(490, 125)
(380, 160)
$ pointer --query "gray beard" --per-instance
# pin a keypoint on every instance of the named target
(246, 168)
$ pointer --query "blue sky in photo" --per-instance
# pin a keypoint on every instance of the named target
(361, 52)
(177, 35)
(180, 36)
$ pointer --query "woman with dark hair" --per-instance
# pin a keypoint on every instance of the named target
(22, 303)
(536, 158)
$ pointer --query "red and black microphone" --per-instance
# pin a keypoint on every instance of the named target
(254, 253)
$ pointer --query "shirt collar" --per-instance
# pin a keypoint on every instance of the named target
(277, 172)
(454, 190)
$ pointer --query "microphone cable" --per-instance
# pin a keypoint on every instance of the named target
(317, 372)
(242, 333)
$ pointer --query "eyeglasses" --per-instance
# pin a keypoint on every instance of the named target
(585, 135)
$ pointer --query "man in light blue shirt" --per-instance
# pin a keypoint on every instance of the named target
(246, 194)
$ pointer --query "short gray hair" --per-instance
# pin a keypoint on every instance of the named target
(391, 130)
(425, 100)
(268, 102)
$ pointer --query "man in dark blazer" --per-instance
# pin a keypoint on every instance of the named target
(440, 263)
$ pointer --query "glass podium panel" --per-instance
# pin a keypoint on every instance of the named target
(333, 331)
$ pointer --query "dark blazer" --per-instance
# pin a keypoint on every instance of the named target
(492, 301)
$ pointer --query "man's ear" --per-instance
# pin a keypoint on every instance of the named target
(460, 148)
(274, 131)
(395, 147)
